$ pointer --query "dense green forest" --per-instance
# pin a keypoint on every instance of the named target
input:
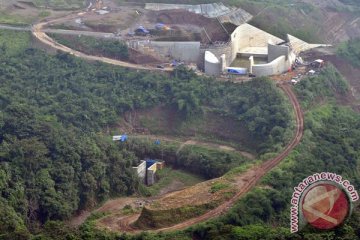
(55, 155)
(351, 51)
(331, 143)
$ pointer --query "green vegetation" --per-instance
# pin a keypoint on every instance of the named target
(12, 19)
(275, 20)
(54, 158)
(218, 186)
(206, 162)
(322, 88)
(44, 14)
(208, 126)
(330, 143)
(12, 42)
(167, 176)
(351, 51)
(94, 46)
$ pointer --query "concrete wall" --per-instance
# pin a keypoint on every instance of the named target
(188, 52)
(278, 66)
(140, 170)
(247, 35)
(275, 51)
(150, 174)
(218, 51)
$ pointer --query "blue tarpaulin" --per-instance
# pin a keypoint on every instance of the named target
(157, 142)
(150, 162)
(123, 138)
(142, 29)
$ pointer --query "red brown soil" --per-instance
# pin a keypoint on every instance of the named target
(211, 25)
(140, 58)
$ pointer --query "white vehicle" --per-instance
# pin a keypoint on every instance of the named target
(294, 81)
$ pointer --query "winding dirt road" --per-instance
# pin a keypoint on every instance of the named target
(38, 33)
(245, 182)
(251, 177)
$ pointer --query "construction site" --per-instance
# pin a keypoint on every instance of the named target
(211, 38)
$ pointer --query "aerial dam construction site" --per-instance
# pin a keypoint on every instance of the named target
(209, 38)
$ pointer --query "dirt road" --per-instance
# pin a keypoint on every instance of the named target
(38, 32)
(251, 177)
(195, 142)
(246, 181)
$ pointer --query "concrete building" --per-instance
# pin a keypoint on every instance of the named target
(146, 170)
(227, 38)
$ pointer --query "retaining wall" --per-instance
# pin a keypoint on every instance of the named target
(140, 170)
(217, 50)
(183, 51)
(150, 174)
(278, 66)
(275, 51)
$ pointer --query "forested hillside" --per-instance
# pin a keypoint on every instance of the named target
(351, 51)
(330, 143)
(55, 157)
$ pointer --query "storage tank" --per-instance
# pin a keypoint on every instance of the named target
(212, 64)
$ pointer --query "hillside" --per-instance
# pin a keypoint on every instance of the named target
(62, 176)
(57, 157)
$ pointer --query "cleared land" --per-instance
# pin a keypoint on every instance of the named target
(208, 128)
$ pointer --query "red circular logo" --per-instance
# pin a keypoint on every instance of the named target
(325, 206)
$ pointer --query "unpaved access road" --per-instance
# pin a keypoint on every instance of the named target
(38, 32)
(246, 181)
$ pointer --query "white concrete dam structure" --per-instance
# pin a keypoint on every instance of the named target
(250, 40)
(267, 54)
(280, 60)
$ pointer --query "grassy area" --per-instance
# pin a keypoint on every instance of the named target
(208, 127)
(167, 176)
(44, 14)
(218, 186)
(14, 19)
(14, 41)
(94, 46)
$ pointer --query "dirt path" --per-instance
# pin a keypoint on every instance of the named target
(246, 181)
(38, 32)
(197, 143)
